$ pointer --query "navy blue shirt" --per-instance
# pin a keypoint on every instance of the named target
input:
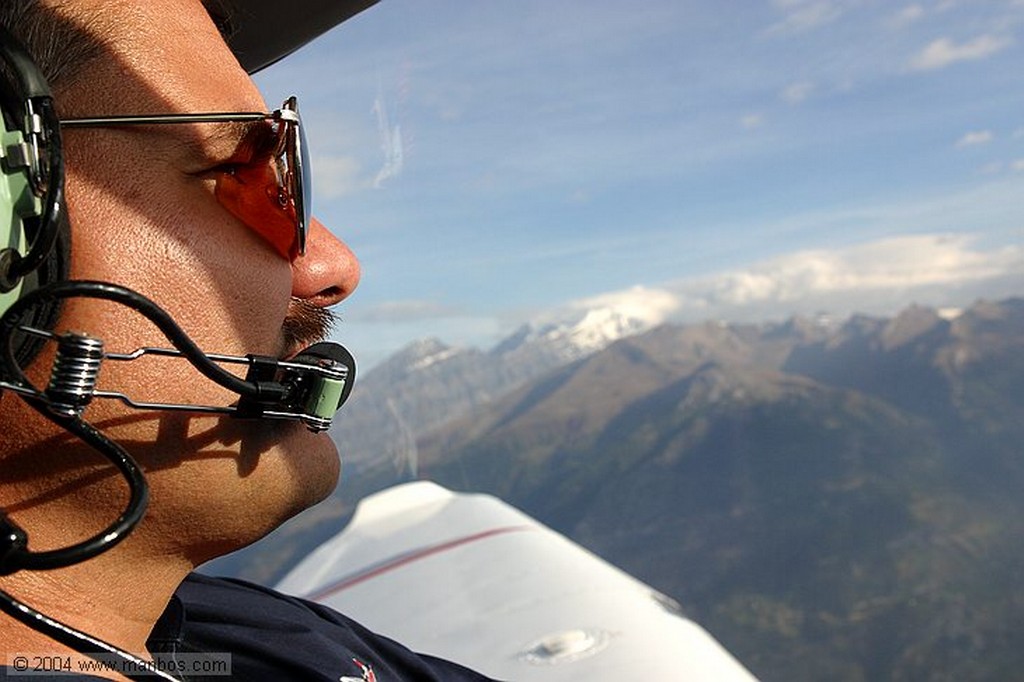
(271, 636)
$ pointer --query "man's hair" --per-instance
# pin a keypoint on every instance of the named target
(62, 49)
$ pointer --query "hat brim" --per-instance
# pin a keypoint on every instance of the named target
(260, 32)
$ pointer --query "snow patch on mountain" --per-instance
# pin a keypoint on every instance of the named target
(588, 325)
(433, 358)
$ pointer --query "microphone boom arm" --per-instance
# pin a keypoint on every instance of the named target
(310, 388)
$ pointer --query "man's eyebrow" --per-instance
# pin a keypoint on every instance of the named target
(227, 137)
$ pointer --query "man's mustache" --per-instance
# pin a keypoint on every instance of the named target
(306, 324)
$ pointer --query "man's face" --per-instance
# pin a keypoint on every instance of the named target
(144, 215)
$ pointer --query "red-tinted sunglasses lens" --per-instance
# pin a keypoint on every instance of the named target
(271, 195)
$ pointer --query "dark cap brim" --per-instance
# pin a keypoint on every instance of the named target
(260, 32)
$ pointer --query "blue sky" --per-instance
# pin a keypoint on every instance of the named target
(491, 161)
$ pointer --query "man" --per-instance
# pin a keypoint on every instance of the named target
(151, 209)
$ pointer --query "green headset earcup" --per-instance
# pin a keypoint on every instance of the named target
(44, 315)
(19, 205)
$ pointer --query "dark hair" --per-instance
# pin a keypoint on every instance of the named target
(61, 48)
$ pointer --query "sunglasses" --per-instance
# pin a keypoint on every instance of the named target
(271, 194)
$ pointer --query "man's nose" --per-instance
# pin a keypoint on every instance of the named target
(328, 272)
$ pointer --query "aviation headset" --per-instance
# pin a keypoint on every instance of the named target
(34, 234)
(34, 249)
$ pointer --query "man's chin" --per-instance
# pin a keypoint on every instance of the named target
(295, 473)
(315, 464)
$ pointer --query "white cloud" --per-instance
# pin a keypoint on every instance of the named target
(883, 275)
(390, 144)
(880, 277)
(1018, 165)
(906, 16)
(974, 138)
(752, 121)
(943, 52)
(650, 305)
(335, 176)
(805, 15)
(795, 93)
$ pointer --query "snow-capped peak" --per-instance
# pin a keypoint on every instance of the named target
(434, 358)
(589, 325)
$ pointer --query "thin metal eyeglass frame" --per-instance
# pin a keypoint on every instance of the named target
(293, 138)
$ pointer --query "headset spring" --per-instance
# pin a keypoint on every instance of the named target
(73, 378)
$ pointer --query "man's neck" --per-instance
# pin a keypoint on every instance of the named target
(110, 598)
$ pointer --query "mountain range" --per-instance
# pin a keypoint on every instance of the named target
(428, 382)
(832, 500)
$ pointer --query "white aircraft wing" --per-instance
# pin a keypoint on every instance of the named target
(469, 578)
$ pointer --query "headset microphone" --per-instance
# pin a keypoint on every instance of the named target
(309, 388)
